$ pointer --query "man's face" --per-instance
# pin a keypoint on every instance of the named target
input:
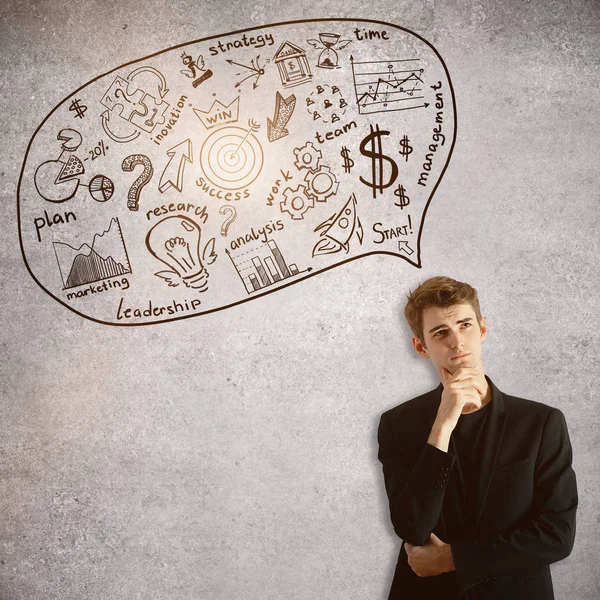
(452, 337)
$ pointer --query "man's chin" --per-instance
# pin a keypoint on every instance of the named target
(467, 362)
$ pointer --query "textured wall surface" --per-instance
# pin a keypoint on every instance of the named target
(234, 455)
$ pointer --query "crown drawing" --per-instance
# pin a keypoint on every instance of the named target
(219, 114)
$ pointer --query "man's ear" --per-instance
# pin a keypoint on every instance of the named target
(420, 347)
(483, 327)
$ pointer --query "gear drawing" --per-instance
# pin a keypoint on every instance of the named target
(321, 183)
(296, 202)
(307, 157)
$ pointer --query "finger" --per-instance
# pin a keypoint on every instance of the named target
(446, 375)
(464, 372)
(464, 386)
(479, 387)
(474, 381)
(467, 383)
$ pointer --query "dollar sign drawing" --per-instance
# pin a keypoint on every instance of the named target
(402, 197)
(348, 162)
(78, 108)
(377, 157)
(406, 148)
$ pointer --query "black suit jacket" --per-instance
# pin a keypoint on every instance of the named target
(526, 500)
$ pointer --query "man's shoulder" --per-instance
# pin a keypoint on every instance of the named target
(525, 405)
(415, 407)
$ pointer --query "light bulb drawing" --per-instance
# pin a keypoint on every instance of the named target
(175, 241)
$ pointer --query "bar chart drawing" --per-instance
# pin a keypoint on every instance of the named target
(388, 85)
(263, 266)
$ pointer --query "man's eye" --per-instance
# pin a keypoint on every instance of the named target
(467, 324)
(439, 332)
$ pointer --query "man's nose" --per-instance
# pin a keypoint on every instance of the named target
(455, 340)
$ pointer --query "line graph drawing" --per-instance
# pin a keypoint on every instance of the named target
(104, 258)
(388, 85)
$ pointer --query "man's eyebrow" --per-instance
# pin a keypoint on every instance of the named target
(465, 320)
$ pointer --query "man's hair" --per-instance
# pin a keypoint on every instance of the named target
(438, 291)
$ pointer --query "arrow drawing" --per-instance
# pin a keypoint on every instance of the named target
(162, 83)
(284, 107)
(253, 128)
(255, 70)
(113, 136)
(172, 176)
(404, 247)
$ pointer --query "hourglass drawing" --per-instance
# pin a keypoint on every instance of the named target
(330, 42)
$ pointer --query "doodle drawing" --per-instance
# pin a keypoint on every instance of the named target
(348, 162)
(297, 202)
(101, 188)
(57, 180)
(284, 107)
(292, 64)
(326, 104)
(339, 229)
(232, 157)
(292, 147)
(104, 258)
(129, 163)
(321, 183)
(263, 266)
(172, 175)
(219, 114)
(405, 147)
(139, 108)
(195, 68)
(231, 217)
(253, 68)
(403, 199)
(175, 241)
(78, 108)
(387, 86)
(375, 153)
(328, 43)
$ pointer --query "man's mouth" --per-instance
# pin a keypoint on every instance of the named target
(459, 356)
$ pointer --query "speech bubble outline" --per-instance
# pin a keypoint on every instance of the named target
(363, 25)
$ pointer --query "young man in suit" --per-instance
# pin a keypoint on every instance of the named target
(480, 484)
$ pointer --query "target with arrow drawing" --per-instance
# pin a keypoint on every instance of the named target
(232, 157)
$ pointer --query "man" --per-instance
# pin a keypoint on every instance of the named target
(480, 483)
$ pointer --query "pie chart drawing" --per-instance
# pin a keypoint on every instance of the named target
(101, 188)
(231, 158)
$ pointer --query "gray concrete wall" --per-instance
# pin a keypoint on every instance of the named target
(233, 455)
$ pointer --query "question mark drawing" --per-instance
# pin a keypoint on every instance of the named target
(230, 210)
(129, 163)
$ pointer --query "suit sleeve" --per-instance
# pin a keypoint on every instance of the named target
(415, 488)
(548, 533)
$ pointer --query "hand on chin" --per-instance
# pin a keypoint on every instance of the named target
(457, 363)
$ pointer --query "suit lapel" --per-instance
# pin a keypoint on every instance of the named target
(493, 430)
